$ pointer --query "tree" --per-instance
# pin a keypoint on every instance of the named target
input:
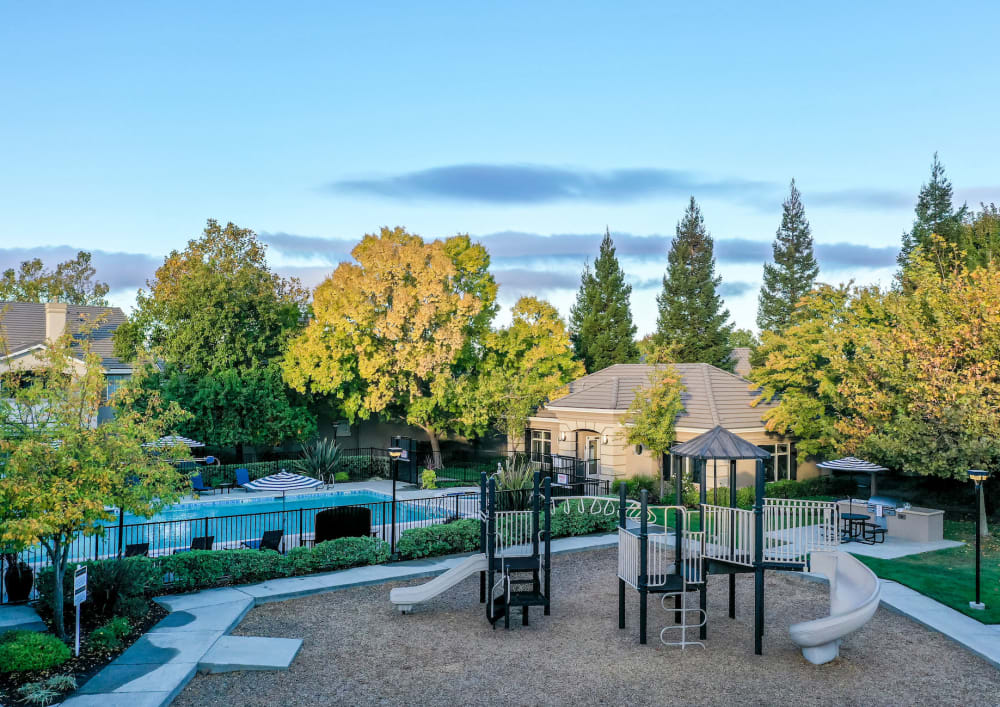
(61, 468)
(794, 270)
(935, 214)
(691, 316)
(743, 338)
(71, 282)
(220, 319)
(601, 320)
(981, 237)
(396, 332)
(524, 365)
(653, 413)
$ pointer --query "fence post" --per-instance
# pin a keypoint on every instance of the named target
(302, 537)
(206, 528)
(456, 506)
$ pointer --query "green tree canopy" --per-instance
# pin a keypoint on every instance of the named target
(72, 282)
(397, 332)
(794, 270)
(219, 319)
(692, 321)
(935, 214)
(651, 418)
(61, 469)
(601, 319)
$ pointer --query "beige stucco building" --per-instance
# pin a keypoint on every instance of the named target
(589, 423)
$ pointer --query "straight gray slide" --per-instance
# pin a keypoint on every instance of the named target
(404, 598)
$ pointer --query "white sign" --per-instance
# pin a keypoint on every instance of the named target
(80, 586)
(562, 479)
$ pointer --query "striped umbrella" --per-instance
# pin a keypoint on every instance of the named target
(853, 464)
(283, 481)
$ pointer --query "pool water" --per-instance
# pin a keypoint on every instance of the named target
(252, 503)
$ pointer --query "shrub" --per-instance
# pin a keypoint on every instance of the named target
(46, 691)
(337, 554)
(31, 650)
(341, 477)
(114, 587)
(320, 461)
(577, 522)
(428, 479)
(110, 637)
(447, 539)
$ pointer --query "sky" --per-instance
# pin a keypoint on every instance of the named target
(530, 126)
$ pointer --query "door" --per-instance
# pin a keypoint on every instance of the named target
(592, 454)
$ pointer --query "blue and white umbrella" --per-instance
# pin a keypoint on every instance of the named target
(283, 481)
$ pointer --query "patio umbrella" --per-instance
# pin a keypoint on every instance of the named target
(283, 481)
(853, 464)
(173, 441)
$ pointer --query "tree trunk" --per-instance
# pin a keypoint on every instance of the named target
(435, 447)
(59, 572)
(984, 531)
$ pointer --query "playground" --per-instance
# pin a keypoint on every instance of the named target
(358, 649)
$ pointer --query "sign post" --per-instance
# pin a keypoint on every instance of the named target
(79, 596)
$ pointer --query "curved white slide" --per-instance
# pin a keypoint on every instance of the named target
(405, 597)
(854, 597)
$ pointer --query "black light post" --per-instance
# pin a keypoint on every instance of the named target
(394, 454)
(978, 476)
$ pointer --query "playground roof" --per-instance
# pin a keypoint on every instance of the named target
(719, 443)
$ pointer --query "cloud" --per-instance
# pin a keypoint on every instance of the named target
(835, 256)
(735, 288)
(538, 184)
(332, 250)
(871, 199)
(527, 280)
(122, 271)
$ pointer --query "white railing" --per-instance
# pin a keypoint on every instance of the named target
(514, 532)
(794, 528)
(694, 546)
(628, 557)
(729, 534)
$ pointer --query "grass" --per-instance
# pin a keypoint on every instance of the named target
(948, 576)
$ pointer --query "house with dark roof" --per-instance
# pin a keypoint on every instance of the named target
(589, 423)
(27, 327)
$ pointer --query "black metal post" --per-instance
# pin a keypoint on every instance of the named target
(643, 559)
(979, 502)
(758, 561)
(732, 536)
(621, 582)
(392, 539)
(482, 533)
(121, 532)
(548, 542)
(678, 527)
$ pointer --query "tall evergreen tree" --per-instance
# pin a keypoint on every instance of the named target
(601, 320)
(692, 320)
(794, 270)
(935, 214)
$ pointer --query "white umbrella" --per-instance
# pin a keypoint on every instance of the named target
(853, 464)
(283, 481)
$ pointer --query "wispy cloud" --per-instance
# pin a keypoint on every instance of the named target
(735, 288)
(532, 184)
(122, 271)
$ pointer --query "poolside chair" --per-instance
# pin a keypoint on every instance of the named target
(198, 485)
(271, 540)
(344, 522)
(137, 550)
(242, 477)
(204, 542)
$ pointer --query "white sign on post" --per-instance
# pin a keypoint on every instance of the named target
(79, 596)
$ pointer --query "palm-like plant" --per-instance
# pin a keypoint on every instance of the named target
(514, 482)
(319, 461)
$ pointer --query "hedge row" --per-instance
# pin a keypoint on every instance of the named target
(820, 486)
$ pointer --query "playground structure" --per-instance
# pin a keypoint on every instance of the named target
(515, 567)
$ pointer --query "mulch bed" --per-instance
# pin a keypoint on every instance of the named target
(89, 662)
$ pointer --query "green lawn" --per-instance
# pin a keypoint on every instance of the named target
(948, 576)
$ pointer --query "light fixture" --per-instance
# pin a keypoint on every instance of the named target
(604, 440)
(395, 452)
(978, 476)
(638, 450)
(562, 436)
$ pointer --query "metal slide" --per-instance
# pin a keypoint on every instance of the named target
(404, 598)
(854, 597)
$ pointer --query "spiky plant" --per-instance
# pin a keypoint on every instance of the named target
(514, 483)
(319, 461)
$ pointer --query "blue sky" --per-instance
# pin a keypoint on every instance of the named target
(529, 125)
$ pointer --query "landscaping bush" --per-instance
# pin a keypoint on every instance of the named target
(114, 587)
(337, 555)
(31, 650)
(635, 486)
(428, 479)
(447, 539)
(341, 477)
(110, 637)
(820, 486)
(45, 692)
(577, 522)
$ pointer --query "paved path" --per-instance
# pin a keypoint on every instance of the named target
(155, 669)
(20, 617)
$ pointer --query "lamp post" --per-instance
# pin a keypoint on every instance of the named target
(395, 453)
(978, 476)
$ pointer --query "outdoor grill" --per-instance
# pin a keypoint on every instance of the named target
(888, 505)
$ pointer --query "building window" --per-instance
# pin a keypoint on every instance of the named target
(113, 381)
(781, 465)
(541, 445)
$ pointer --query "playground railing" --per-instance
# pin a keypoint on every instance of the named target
(729, 534)
(793, 528)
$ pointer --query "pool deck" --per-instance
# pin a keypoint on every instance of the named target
(403, 491)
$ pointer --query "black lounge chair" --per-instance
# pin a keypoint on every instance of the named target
(137, 550)
(204, 542)
(345, 522)
(271, 540)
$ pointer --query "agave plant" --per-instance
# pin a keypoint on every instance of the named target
(514, 483)
(319, 461)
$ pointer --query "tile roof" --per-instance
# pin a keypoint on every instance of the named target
(23, 326)
(711, 397)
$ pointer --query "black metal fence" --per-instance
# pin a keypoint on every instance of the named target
(298, 525)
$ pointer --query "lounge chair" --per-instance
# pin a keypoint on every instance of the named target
(204, 542)
(137, 550)
(242, 477)
(198, 485)
(344, 522)
(271, 540)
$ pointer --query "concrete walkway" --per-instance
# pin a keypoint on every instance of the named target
(193, 637)
(20, 617)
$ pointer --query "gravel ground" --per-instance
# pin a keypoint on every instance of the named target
(359, 651)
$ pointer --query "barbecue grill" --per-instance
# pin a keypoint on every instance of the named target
(888, 505)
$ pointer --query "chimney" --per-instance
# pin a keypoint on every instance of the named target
(55, 320)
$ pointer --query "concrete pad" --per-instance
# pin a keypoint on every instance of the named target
(134, 699)
(894, 548)
(231, 653)
(207, 597)
(168, 647)
(217, 617)
(20, 617)
(169, 679)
